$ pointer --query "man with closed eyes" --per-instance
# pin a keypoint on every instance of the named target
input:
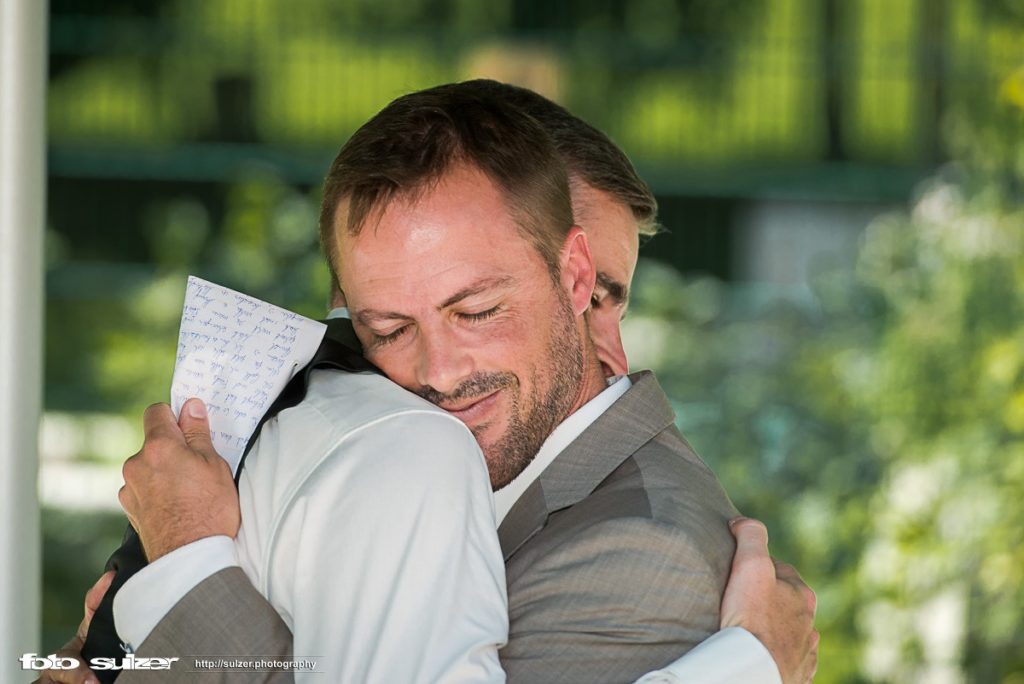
(470, 289)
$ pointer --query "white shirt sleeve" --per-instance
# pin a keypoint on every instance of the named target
(151, 592)
(731, 656)
(387, 567)
(386, 563)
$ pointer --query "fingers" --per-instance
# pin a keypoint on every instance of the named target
(177, 489)
(124, 494)
(97, 591)
(787, 573)
(811, 598)
(92, 602)
(195, 424)
(158, 421)
(78, 675)
(130, 504)
(812, 658)
(770, 599)
(752, 548)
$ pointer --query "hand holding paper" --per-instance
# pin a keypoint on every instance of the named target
(237, 353)
(177, 489)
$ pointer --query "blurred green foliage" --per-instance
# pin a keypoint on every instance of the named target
(874, 422)
(878, 427)
(76, 544)
(673, 80)
(878, 430)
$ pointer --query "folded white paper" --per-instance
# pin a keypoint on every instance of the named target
(237, 353)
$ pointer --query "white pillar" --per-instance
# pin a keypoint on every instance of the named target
(23, 41)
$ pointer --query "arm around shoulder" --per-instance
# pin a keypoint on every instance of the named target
(222, 616)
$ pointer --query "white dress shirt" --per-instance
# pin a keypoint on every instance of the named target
(368, 523)
(338, 505)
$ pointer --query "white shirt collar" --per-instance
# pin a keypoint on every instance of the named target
(339, 312)
(563, 435)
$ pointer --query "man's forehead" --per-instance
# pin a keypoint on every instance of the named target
(455, 178)
(464, 198)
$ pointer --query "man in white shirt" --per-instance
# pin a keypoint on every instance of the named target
(269, 565)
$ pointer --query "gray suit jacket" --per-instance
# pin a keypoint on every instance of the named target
(222, 616)
(616, 560)
(617, 556)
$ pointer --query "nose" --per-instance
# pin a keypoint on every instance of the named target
(441, 363)
(604, 330)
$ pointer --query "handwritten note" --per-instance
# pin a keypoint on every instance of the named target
(237, 353)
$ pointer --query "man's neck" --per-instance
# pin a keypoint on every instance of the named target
(592, 383)
(563, 435)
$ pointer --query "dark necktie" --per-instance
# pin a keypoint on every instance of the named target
(339, 350)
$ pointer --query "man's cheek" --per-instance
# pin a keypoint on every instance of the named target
(500, 338)
(398, 366)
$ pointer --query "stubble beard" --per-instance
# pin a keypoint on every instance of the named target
(527, 429)
(548, 405)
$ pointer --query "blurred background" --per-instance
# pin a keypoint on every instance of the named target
(835, 306)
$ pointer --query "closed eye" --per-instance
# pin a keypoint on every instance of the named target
(382, 340)
(480, 315)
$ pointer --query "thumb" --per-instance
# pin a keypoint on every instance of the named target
(752, 572)
(195, 425)
(751, 546)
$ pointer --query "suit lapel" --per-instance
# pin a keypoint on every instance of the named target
(632, 421)
(525, 519)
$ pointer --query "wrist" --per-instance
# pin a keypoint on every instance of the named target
(168, 543)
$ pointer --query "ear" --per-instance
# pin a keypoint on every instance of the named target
(577, 270)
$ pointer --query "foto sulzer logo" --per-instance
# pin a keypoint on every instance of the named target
(34, 661)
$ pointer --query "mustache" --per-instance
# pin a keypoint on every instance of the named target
(476, 385)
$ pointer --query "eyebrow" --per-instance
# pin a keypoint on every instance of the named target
(367, 316)
(618, 291)
(476, 288)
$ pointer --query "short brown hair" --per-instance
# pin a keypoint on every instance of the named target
(587, 153)
(410, 144)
